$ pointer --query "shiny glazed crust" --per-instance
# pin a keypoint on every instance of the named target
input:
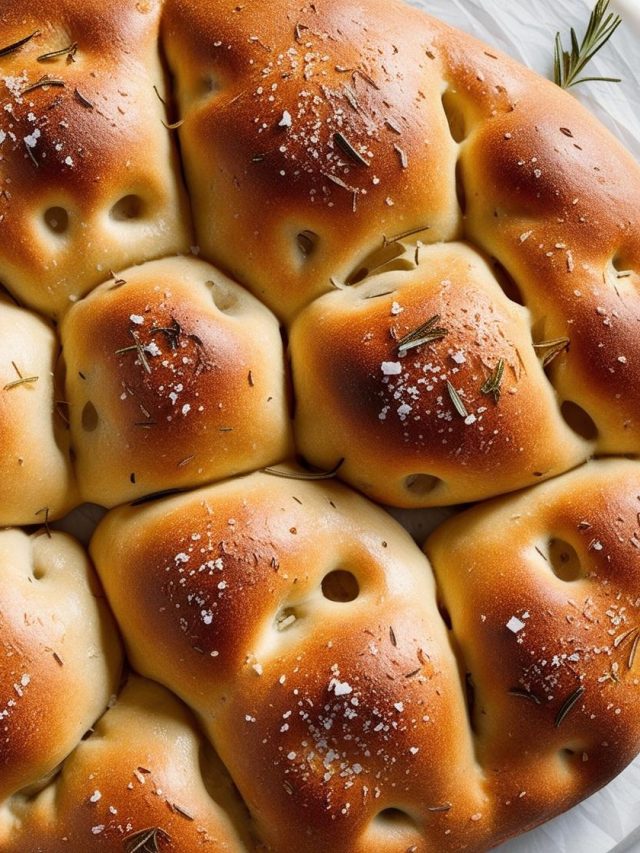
(402, 260)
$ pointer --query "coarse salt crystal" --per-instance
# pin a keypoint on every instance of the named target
(514, 624)
(285, 121)
(137, 319)
(391, 368)
(95, 796)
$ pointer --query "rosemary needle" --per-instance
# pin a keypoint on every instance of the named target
(569, 64)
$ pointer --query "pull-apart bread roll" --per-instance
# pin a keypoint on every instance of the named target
(541, 592)
(309, 132)
(407, 361)
(300, 623)
(88, 176)
(175, 377)
(36, 480)
(143, 780)
(59, 662)
(302, 626)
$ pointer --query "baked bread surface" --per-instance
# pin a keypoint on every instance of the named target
(253, 247)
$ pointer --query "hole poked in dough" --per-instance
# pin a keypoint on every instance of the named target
(127, 208)
(394, 821)
(579, 420)
(89, 417)
(223, 296)
(455, 116)
(340, 585)
(507, 282)
(57, 220)
(421, 485)
(564, 561)
(307, 243)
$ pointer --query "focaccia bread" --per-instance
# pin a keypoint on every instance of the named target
(278, 243)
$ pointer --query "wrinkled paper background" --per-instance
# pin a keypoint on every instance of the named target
(610, 820)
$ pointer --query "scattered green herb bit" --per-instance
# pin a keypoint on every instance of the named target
(81, 98)
(32, 156)
(569, 64)
(404, 234)
(457, 401)
(45, 511)
(492, 385)
(69, 51)
(551, 349)
(424, 334)
(10, 48)
(567, 705)
(41, 83)
(343, 143)
(524, 694)
(21, 380)
(145, 840)
(300, 475)
(445, 807)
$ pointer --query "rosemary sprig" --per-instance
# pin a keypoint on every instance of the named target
(424, 334)
(458, 405)
(10, 48)
(567, 705)
(569, 64)
(550, 349)
(492, 385)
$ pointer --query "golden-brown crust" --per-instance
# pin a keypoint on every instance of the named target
(144, 772)
(89, 177)
(175, 375)
(276, 99)
(358, 390)
(37, 483)
(325, 696)
(57, 640)
(541, 590)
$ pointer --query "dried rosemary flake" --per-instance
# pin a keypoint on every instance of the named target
(32, 156)
(145, 840)
(445, 807)
(10, 48)
(81, 98)
(377, 295)
(42, 83)
(159, 96)
(300, 475)
(551, 349)
(45, 511)
(174, 125)
(524, 694)
(492, 385)
(343, 143)
(186, 461)
(23, 380)
(567, 705)
(69, 51)
(396, 239)
(424, 334)
(458, 405)
(392, 637)
(176, 808)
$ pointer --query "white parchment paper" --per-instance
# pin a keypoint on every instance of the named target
(610, 820)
